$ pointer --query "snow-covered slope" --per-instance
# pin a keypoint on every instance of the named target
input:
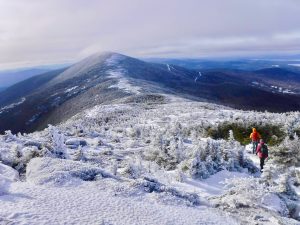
(98, 79)
(103, 78)
(147, 163)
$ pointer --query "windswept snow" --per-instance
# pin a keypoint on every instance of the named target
(33, 118)
(197, 77)
(168, 66)
(274, 203)
(287, 91)
(122, 82)
(118, 73)
(96, 203)
(71, 89)
(211, 186)
(114, 59)
(12, 105)
(282, 90)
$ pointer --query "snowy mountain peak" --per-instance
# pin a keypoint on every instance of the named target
(108, 77)
(84, 66)
(114, 59)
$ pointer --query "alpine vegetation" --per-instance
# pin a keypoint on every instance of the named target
(158, 157)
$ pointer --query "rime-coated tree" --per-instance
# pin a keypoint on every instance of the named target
(176, 148)
(179, 176)
(198, 168)
(269, 175)
(231, 136)
(8, 136)
(79, 154)
(287, 154)
(281, 175)
(58, 142)
(132, 170)
(210, 165)
(17, 157)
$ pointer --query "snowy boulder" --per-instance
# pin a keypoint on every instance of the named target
(7, 176)
(62, 172)
(9, 173)
(75, 142)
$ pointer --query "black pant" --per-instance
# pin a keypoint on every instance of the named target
(254, 146)
(262, 163)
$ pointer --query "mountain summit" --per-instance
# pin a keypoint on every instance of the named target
(101, 78)
(104, 78)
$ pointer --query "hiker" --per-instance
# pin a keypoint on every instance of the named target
(255, 136)
(262, 152)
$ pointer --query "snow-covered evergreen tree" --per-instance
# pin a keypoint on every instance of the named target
(58, 142)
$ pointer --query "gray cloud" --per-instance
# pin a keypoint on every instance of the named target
(51, 31)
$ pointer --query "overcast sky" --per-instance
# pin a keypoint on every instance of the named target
(53, 31)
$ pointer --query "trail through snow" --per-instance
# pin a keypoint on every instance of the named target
(114, 134)
(253, 157)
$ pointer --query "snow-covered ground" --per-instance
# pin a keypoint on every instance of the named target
(140, 164)
(97, 203)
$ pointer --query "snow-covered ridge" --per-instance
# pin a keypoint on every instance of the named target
(123, 83)
(85, 65)
(114, 59)
(117, 72)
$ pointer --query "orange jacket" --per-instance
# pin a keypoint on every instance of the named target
(255, 136)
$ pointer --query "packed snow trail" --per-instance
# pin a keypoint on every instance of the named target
(253, 157)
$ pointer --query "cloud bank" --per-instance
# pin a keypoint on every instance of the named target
(55, 31)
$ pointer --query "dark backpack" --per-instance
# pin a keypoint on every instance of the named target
(264, 150)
